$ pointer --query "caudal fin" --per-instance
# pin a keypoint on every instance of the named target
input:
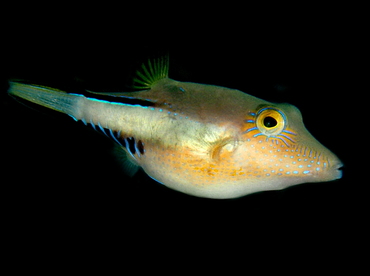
(45, 96)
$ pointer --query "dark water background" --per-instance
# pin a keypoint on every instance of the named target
(59, 177)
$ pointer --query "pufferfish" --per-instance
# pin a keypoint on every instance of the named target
(203, 140)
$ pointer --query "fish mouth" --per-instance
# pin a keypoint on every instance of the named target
(338, 173)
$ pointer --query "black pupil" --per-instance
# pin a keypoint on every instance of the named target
(269, 122)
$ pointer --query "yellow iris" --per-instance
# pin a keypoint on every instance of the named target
(270, 121)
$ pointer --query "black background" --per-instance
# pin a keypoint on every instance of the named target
(60, 179)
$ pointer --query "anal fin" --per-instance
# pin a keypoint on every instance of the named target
(128, 165)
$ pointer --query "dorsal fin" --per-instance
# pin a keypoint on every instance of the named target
(152, 72)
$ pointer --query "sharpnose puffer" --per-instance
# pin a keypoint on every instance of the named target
(203, 140)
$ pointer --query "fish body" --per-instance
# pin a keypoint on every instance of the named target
(203, 140)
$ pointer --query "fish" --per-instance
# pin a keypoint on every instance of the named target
(200, 139)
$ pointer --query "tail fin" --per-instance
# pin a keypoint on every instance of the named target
(45, 96)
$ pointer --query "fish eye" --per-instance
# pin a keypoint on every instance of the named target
(270, 121)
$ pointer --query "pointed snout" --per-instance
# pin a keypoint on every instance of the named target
(334, 171)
